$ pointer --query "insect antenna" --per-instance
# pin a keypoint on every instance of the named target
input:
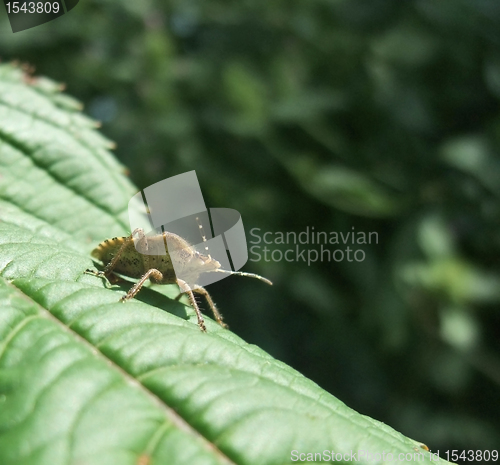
(242, 273)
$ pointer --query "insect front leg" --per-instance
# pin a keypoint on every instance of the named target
(186, 289)
(217, 315)
(157, 275)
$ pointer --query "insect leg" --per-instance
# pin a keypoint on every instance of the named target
(204, 292)
(111, 279)
(185, 288)
(137, 286)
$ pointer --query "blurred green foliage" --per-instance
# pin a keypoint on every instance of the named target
(380, 115)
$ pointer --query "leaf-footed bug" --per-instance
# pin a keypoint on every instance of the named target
(121, 255)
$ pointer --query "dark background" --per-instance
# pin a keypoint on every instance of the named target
(382, 115)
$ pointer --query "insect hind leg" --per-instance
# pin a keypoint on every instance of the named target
(108, 270)
(111, 278)
(211, 303)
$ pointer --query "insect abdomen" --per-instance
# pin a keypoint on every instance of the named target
(130, 262)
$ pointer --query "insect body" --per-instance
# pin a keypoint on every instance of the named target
(150, 258)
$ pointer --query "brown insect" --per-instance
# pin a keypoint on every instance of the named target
(146, 259)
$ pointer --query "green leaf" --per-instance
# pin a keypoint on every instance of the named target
(342, 188)
(85, 379)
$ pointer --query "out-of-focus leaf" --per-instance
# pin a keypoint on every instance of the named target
(472, 155)
(435, 238)
(344, 188)
(455, 279)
